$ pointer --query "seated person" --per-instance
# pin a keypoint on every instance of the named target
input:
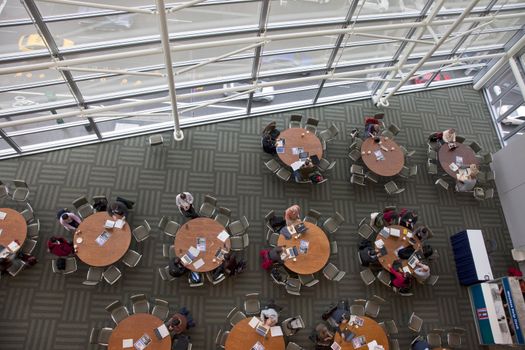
(176, 267)
(323, 335)
(195, 277)
(422, 271)
(275, 255)
(69, 220)
(269, 145)
(372, 130)
(427, 250)
(118, 210)
(421, 233)
(466, 180)
(408, 218)
(292, 215)
(420, 344)
(390, 216)
(180, 342)
(271, 131)
(184, 201)
(368, 255)
(5, 263)
(406, 252)
(341, 312)
(175, 324)
(269, 316)
(448, 136)
(306, 169)
(399, 278)
(59, 246)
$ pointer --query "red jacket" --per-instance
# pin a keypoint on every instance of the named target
(60, 248)
(399, 280)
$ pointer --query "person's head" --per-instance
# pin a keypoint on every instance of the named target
(65, 216)
(182, 196)
(452, 130)
(294, 211)
(473, 170)
(176, 260)
(175, 322)
(115, 208)
(227, 256)
(427, 250)
(53, 239)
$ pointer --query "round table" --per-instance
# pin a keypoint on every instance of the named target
(134, 327)
(93, 254)
(370, 329)
(242, 337)
(394, 158)
(447, 156)
(393, 243)
(318, 250)
(201, 228)
(299, 137)
(14, 227)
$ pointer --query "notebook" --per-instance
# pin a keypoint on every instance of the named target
(357, 342)
(453, 167)
(279, 150)
(303, 247)
(143, 342)
(257, 346)
(300, 228)
(161, 332)
(120, 223)
(127, 343)
(254, 322)
(109, 224)
(303, 155)
(335, 346)
(297, 164)
(223, 236)
(292, 252)
(186, 260)
(2, 215)
(379, 243)
(296, 150)
(219, 254)
(395, 232)
(193, 252)
(201, 244)
(379, 155)
(276, 331)
(385, 232)
(413, 260)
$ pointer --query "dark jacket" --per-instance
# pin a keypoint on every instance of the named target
(268, 145)
(176, 269)
(121, 209)
(368, 256)
(406, 252)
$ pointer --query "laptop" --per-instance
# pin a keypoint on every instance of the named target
(186, 259)
(262, 329)
(413, 260)
(303, 155)
(300, 228)
(292, 252)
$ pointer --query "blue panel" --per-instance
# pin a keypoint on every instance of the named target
(482, 318)
(512, 310)
(465, 266)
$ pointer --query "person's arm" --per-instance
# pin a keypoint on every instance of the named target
(75, 218)
(67, 225)
(396, 273)
(178, 201)
(189, 198)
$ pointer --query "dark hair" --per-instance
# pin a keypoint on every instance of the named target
(427, 250)
(182, 195)
(65, 216)
(175, 322)
(53, 239)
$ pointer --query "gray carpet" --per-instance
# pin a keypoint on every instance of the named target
(41, 310)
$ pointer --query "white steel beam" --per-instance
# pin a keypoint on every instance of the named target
(165, 41)
(100, 6)
(384, 100)
(242, 41)
(183, 6)
(500, 63)
(517, 75)
(328, 76)
(188, 109)
(112, 71)
(397, 38)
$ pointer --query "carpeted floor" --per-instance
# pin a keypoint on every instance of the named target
(41, 310)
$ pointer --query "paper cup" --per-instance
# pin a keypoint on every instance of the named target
(79, 240)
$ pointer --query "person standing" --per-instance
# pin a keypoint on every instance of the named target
(184, 201)
(292, 215)
(449, 136)
(69, 220)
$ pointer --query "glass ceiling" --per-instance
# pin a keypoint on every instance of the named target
(93, 71)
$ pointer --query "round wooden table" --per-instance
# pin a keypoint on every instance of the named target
(294, 138)
(201, 228)
(394, 158)
(242, 337)
(134, 327)
(318, 250)
(93, 254)
(447, 156)
(14, 227)
(370, 329)
(393, 243)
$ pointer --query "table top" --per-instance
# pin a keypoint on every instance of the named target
(294, 138)
(242, 337)
(13, 227)
(392, 243)
(134, 327)
(318, 250)
(201, 228)
(447, 156)
(93, 254)
(370, 329)
(394, 159)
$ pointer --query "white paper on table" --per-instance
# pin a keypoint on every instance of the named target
(395, 232)
(197, 264)
(335, 346)
(127, 343)
(372, 345)
(406, 269)
(453, 167)
(276, 331)
(163, 331)
(13, 246)
(297, 164)
(120, 223)
(194, 251)
(379, 243)
(1, 230)
(109, 224)
(223, 236)
(2, 215)
(254, 322)
(296, 150)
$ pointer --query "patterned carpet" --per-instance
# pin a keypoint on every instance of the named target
(41, 310)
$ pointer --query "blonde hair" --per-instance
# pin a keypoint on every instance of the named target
(473, 170)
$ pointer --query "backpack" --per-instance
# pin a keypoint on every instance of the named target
(61, 264)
